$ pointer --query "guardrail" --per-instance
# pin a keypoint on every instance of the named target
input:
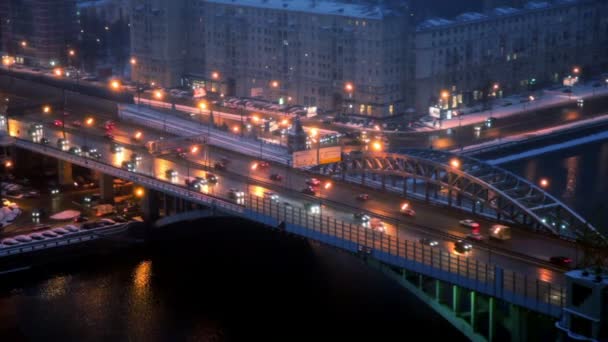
(485, 278)
(68, 239)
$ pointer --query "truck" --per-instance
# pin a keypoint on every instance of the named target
(500, 232)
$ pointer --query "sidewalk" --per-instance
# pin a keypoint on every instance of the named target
(549, 98)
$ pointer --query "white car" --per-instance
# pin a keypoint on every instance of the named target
(49, 234)
(469, 223)
(23, 238)
(10, 242)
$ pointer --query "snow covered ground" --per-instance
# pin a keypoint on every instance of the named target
(548, 99)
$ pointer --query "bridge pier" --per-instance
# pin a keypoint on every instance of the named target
(150, 205)
(64, 172)
(455, 299)
(518, 323)
(106, 188)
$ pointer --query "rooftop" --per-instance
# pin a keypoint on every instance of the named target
(437, 22)
(312, 6)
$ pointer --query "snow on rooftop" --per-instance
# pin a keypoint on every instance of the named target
(505, 10)
(469, 16)
(310, 6)
(434, 22)
(536, 5)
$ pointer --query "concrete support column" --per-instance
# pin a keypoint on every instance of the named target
(106, 187)
(455, 299)
(473, 309)
(518, 323)
(150, 205)
(64, 172)
(438, 290)
(491, 319)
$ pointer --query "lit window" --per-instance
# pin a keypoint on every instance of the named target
(362, 109)
(391, 109)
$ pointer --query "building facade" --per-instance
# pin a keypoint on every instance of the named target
(476, 56)
(38, 32)
(364, 57)
(336, 56)
(108, 11)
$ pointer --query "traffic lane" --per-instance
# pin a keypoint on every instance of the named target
(388, 204)
(164, 165)
(516, 124)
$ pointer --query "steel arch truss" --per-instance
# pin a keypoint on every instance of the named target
(510, 197)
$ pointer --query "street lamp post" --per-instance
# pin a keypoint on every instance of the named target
(133, 62)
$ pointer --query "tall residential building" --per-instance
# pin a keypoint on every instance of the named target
(364, 57)
(463, 60)
(348, 57)
(38, 32)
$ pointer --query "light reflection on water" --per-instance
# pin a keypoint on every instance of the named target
(572, 173)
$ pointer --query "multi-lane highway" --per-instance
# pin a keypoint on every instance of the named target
(526, 252)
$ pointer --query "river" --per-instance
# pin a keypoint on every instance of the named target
(214, 280)
(578, 176)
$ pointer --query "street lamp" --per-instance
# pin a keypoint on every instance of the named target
(23, 43)
(377, 146)
(115, 85)
(274, 84)
(158, 95)
(46, 109)
(139, 192)
(349, 88)
(133, 62)
(544, 183)
(58, 72)
(89, 121)
(455, 163)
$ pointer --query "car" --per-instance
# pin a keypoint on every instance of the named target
(462, 247)
(263, 164)
(109, 136)
(38, 213)
(276, 177)
(23, 238)
(136, 158)
(119, 219)
(76, 123)
(54, 190)
(313, 182)
(211, 178)
(116, 148)
(95, 155)
(362, 197)
(363, 217)
(60, 231)
(129, 165)
(377, 225)
(475, 236)
(37, 236)
(107, 221)
(58, 123)
(10, 242)
(44, 141)
(428, 242)
(561, 261)
(271, 196)
(235, 194)
(49, 234)
(312, 208)
(219, 166)
(75, 150)
(309, 191)
(469, 223)
(195, 183)
(80, 218)
(63, 144)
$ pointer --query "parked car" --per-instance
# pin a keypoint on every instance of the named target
(561, 261)
(428, 242)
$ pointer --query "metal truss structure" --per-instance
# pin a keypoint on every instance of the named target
(467, 183)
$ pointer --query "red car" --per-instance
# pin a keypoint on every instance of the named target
(110, 125)
(58, 123)
(363, 197)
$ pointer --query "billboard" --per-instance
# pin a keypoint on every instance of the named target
(314, 157)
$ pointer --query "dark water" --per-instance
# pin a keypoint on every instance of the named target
(219, 280)
(578, 176)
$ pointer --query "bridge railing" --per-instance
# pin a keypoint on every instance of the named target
(387, 248)
(511, 285)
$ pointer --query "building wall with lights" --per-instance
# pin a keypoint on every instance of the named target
(518, 49)
(298, 52)
(38, 32)
(158, 31)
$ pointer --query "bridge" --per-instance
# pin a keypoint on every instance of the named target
(471, 184)
(483, 283)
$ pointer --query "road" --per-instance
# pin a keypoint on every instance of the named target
(524, 253)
